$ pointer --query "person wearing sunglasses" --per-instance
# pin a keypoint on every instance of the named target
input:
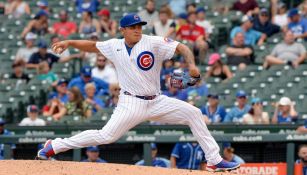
(256, 115)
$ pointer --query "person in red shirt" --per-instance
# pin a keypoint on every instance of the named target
(195, 35)
(248, 7)
(64, 27)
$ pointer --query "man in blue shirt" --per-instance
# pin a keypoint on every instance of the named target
(213, 112)
(180, 94)
(5, 132)
(92, 153)
(156, 161)
(86, 77)
(188, 156)
(302, 154)
(297, 25)
(237, 112)
(252, 37)
(263, 24)
(61, 91)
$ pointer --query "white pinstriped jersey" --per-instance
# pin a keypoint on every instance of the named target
(139, 73)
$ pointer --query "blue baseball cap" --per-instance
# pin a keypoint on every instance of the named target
(92, 149)
(130, 20)
(62, 81)
(293, 12)
(86, 71)
(42, 44)
(241, 93)
(153, 146)
(200, 9)
(183, 16)
(213, 95)
(256, 100)
(41, 13)
(226, 144)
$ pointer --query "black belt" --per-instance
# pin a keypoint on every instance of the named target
(141, 97)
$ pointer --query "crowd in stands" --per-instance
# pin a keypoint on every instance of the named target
(96, 87)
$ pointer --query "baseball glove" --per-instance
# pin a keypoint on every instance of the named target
(182, 80)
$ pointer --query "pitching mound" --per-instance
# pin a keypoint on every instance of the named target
(37, 167)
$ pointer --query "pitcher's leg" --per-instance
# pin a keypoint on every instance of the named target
(173, 111)
(128, 114)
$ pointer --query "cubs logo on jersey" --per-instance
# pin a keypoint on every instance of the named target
(145, 60)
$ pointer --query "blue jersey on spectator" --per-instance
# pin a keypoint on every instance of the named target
(179, 94)
(99, 160)
(215, 117)
(156, 162)
(63, 99)
(13, 146)
(237, 159)
(188, 156)
(236, 114)
(201, 90)
(78, 82)
(299, 27)
(91, 5)
(36, 58)
(99, 102)
(281, 119)
(251, 36)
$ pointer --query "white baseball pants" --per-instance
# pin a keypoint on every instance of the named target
(131, 111)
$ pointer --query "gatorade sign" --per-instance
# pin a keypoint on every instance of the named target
(263, 169)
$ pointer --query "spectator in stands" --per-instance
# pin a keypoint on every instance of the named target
(92, 154)
(162, 26)
(107, 25)
(54, 39)
(302, 154)
(252, 37)
(183, 153)
(218, 68)
(213, 112)
(287, 52)
(43, 5)
(5, 132)
(96, 103)
(87, 5)
(236, 113)
(156, 161)
(248, 7)
(281, 18)
(177, 6)
(263, 24)
(39, 25)
(203, 22)
(111, 102)
(18, 71)
(76, 106)
(175, 26)
(176, 93)
(53, 105)
(86, 77)
(32, 117)
(24, 53)
(64, 27)
(195, 35)
(297, 24)
(149, 14)
(44, 73)
(302, 129)
(196, 92)
(104, 70)
(191, 8)
(90, 57)
(19, 8)
(44, 55)
(229, 154)
(88, 24)
(284, 111)
(61, 91)
(256, 115)
(239, 53)
(167, 70)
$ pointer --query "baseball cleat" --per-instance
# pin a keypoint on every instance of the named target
(223, 166)
(46, 152)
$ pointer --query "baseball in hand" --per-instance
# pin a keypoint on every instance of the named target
(59, 50)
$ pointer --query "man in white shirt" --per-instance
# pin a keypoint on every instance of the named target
(149, 14)
(32, 119)
(104, 71)
(201, 21)
(24, 53)
(162, 26)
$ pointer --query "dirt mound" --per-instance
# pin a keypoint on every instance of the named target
(37, 167)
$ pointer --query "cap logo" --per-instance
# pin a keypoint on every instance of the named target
(145, 60)
(136, 17)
